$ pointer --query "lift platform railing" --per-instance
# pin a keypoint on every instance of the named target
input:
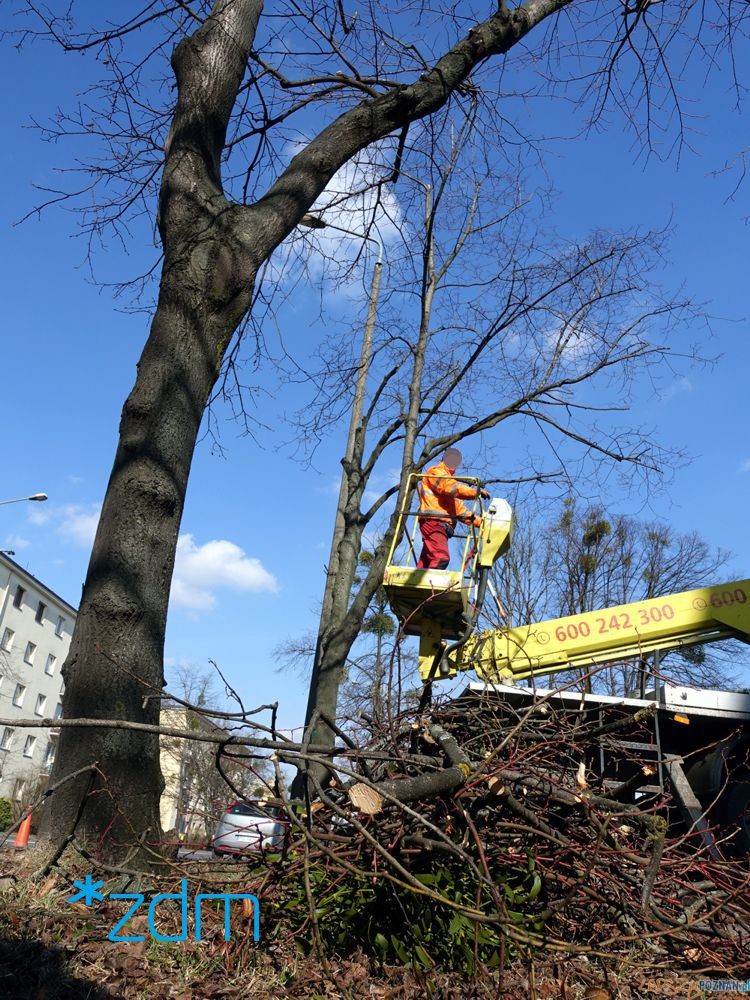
(441, 596)
(408, 525)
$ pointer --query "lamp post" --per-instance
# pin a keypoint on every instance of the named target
(358, 404)
(39, 497)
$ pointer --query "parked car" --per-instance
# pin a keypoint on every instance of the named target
(248, 826)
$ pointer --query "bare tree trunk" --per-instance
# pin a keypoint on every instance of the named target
(116, 656)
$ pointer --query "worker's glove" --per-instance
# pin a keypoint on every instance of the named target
(484, 494)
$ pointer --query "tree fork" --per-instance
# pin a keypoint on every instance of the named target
(212, 251)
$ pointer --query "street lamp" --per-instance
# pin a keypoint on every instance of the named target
(34, 496)
(358, 405)
(310, 221)
(313, 222)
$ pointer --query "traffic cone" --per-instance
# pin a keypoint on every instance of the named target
(22, 837)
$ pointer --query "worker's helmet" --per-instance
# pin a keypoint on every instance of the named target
(452, 458)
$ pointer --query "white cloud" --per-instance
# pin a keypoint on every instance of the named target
(16, 542)
(350, 202)
(328, 489)
(571, 344)
(745, 465)
(38, 515)
(202, 569)
(73, 522)
(78, 524)
(679, 385)
(353, 206)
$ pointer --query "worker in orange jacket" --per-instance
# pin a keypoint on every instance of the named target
(441, 507)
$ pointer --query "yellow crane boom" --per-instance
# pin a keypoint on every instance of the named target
(708, 614)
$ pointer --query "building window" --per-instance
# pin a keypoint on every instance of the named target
(28, 656)
(7, 738)
(41, 608)
(28, 747)
(49, 754)
(41, 701)
(60, 625)
(58, 711)
(18, 695)
(7, 643)
(18, 599)
(49, 667)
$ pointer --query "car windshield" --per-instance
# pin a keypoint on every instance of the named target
(246, 809)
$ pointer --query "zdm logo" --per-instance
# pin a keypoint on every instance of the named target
(89, 892)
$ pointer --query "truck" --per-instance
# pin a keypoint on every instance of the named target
(698, 740)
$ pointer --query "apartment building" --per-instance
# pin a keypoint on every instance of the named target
(35, 631)
(36, 626)
(195, 794)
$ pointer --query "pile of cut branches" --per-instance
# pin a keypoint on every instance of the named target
(475, 838)
(473, 834)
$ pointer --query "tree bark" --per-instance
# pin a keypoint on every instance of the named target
(370, 798)
(116, 656)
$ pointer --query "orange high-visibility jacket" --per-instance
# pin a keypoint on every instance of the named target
(440, 496)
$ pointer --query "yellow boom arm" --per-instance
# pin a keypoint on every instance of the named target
(628, 630)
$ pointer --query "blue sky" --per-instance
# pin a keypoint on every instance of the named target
(250, 572)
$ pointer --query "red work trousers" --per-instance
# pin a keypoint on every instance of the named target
(435, 553)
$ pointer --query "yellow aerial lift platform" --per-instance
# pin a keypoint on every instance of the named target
(443, 604)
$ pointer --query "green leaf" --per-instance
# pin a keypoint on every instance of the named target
(399, 948)
(427, 879)
(423, 957)
(457, 926)
(380, 942)
(536, 888)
